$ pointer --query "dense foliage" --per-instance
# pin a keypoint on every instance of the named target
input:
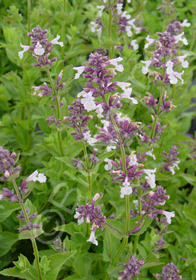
(97, 153)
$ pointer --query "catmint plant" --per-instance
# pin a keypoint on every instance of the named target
(40, 49)
(119, 20)
(103, 98)
(10, 172)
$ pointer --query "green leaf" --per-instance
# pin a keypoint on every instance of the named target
(55, 263)
(23, 270)
(27, 234)
(7, 208)
(7, 239)
(111, 245)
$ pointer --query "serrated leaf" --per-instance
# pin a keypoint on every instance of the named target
(7, 208)
(55, 263)
(7, 239)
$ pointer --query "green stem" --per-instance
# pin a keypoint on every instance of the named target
(29, 18)
(157, 114)
(120, 250)
(57, 100)
(63, 32)
(127, 218)
(87, 167)
(29, 126)
(34, 245)
(111, 48)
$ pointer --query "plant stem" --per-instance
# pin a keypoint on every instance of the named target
(34, 245)
(63, 32)
(58, 111)
(127, 218)
(111, 48)
(120, 250)
(87, 167)
(29, 19)
(157, 114)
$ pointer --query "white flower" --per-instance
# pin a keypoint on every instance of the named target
(105, 124)
(149, 153)
(145, 68)
(128, 30)
(92, 238)
(119, 8)
(6, 174)
(137, 29)
(127, 91)
(99, 111)
(1, 196)
(95, 27)
(96, 196)
(25, 49)
(128, 1)
(149, 42)
(81, 220)
(120, 118)
(87, 100)
(79, 70)
(126, 189)
(109, 165)
(184, 62)
(171, 167)
(172, 74)
(150, 178)
(39, 50)
(55, 41)
(35, 176)
(109, 148)
(136, 203)
(168, 216)
(87, 136)
(131, 22)
(123, 85)
(134, 45)
(36, 89)
(133, 159)
(118, 67)
(179, 38)
(185, 23)
(100, 8)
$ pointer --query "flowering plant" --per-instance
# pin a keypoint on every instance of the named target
(95, 96)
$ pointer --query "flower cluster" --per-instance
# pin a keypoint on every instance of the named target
(98, 86)
(8, 167)
(29, 225)
(122, 23)
(169, 271)
(172, 160)
(35, 176)
(158, 130)
(92, 159)
(164, 58)
(40, 47)
(131, 269)
(93, 215)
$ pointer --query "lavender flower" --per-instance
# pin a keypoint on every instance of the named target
(172, 160)
(40, 47)
(131, 269)
(163, 57)
(92, 215)
(169, 271)
(159, 245)
(8, 169)
(28, 226)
